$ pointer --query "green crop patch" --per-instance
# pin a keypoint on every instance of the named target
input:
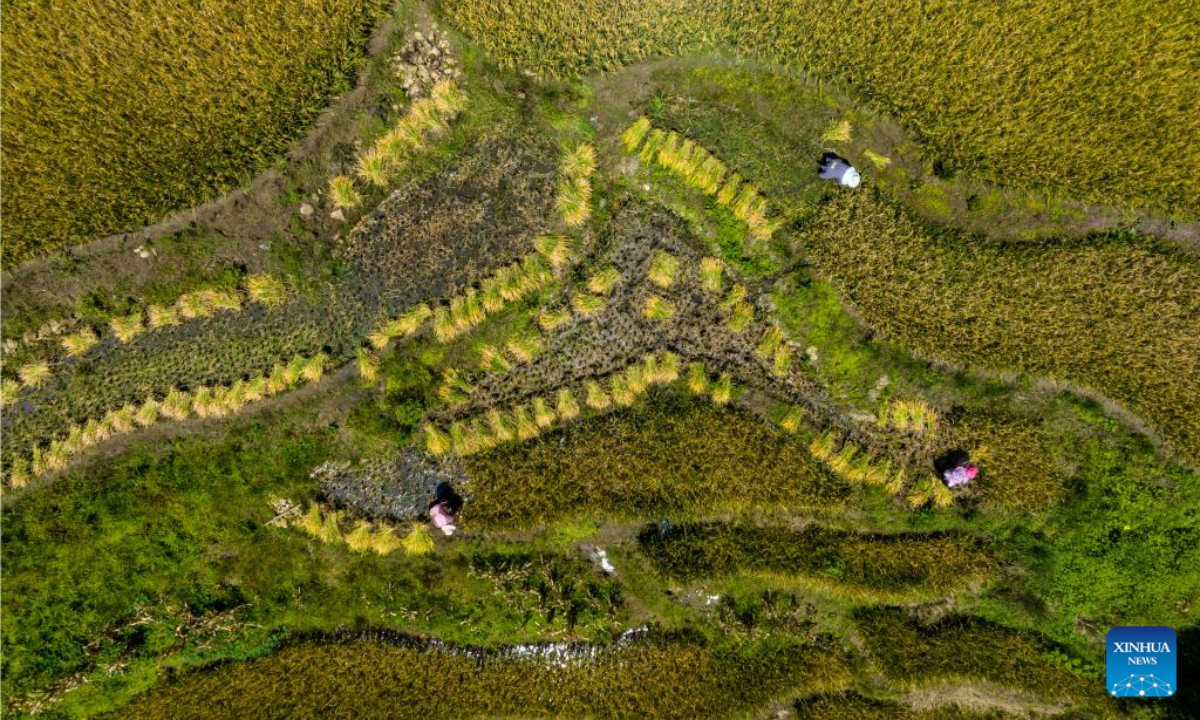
(670, 455)
(858, 564)
(654, 677)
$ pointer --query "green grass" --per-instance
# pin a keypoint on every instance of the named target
(167, 106)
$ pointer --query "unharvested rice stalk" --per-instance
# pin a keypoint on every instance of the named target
(603, 281)
(658, 309)
(186, 112)
(33, 374)
(697, 381)
(711, 275)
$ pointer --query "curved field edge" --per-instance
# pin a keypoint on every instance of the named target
(1118, 317)
(646, 677)
(92, 158)
(944, 80)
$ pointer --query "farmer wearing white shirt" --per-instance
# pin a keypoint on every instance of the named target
(835, 167)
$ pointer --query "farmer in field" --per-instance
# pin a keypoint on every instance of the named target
(445, 506)
(955, 468)
(836, 167)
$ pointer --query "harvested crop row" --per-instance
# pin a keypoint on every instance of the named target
(703, 171)
(204, 402)
(428, 240)
(117, 114)
(427, 118)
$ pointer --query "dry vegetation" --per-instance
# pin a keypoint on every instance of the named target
(169, 105)
(1020, 112)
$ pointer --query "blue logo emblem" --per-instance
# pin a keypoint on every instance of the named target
(1141, 661)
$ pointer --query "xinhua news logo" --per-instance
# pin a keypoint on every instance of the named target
(1141, 662)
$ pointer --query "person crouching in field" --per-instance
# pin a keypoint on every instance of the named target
(444, 508)
(836, 167)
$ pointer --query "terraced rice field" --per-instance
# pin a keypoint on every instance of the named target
(574, 263)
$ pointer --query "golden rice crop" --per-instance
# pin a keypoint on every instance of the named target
(33, 374)
(663, 269)
(574, 198)
(586, 305)
(658, 309)
(943, 68)
(702, 170)
(1118, 315)
(117, 114)
(343, 192)
(711, 274)
(426, 118)
(205, 402)
(603, 281)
